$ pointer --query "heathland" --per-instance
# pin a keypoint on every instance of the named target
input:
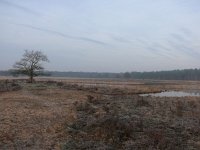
(70, 113)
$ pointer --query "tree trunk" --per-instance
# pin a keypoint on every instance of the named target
(31, 79)
(31, 76)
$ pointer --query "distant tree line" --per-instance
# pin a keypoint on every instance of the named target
(84, 74)
(5, 73)
(186, 74)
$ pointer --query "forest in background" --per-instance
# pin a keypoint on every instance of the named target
(186, 74)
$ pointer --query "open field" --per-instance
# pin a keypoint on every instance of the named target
(59, 113)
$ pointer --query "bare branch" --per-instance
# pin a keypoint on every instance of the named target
(30, 64)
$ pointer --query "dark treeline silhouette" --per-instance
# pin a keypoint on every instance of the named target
(84, 74)
(5, 73)
(186, 74)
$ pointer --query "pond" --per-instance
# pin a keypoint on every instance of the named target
(173, 94)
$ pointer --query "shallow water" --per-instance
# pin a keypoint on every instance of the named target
(172, 94)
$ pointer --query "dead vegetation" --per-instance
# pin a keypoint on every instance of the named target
(63, 115)
(134, 123)
(9, 85)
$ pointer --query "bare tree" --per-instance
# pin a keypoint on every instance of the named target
(30, 64)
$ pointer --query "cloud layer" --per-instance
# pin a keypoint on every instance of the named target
(111, 36)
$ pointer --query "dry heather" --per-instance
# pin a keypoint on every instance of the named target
(132, 122)
(81, 114)
(34, 117)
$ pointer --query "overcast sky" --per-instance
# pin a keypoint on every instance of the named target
(102, 35)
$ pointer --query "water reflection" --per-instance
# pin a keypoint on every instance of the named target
(172, 94)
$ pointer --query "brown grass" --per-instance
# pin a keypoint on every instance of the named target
(98, 114)
(34, 119)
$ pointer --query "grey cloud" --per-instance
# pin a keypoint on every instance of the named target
(185, 49)
(164, 48)
(182, 42)
(25, 9)
(148, 46)
(186, 32)
(157, 51)
(142, 41)
(62, 34)
(179, 37)
(190, 51)
(156, 48)
(121, 39)
(160, 47)
(90, 40)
